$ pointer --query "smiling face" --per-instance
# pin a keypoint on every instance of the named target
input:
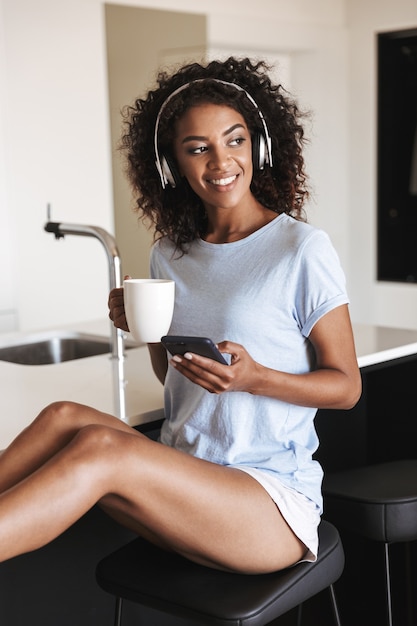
(213, 150)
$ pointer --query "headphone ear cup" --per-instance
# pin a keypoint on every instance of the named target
(259, 151)
(169, 171)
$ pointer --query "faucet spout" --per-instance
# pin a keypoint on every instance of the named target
(60, 229)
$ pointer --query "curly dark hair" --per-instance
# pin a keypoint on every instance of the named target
(178, 213)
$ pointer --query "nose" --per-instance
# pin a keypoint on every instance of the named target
(219, 157)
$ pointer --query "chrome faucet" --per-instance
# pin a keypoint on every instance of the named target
(60, 229)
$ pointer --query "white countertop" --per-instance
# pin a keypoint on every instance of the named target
(26, 389)
(377, 344)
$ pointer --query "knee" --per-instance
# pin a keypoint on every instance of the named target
(100, 451)
(59, 414)
(97, 440)
(108, 446)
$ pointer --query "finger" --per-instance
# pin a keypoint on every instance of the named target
(236, 350)
(120, 322)
(115, 295)
(207, 373)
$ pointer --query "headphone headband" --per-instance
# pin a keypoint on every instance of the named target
(159, 162)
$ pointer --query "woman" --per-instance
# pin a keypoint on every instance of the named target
(214, 156)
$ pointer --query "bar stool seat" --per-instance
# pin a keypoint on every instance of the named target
(145, 574)
(378, 502)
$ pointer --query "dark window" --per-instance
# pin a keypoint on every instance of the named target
(397, 156)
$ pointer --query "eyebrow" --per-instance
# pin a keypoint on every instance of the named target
(202, 138)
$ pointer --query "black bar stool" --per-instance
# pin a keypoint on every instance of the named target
(147, 575)
(378, 502)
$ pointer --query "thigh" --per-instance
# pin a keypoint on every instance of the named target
(214, 515)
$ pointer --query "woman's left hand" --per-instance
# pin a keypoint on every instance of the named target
(215, 377)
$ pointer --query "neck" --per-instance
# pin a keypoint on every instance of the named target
(226, 226)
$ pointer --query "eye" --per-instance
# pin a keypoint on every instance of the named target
(237, 141)
(197, 150)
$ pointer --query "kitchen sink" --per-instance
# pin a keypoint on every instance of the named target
(55, 347)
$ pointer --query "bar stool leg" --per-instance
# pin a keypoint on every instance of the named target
(388, 584)
(118, 612)
(409, 583)
(299, 614)
(334, 606)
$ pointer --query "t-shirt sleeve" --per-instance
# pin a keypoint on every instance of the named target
(322, 283)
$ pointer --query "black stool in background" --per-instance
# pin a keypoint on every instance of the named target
(147, 575)
(378, 502)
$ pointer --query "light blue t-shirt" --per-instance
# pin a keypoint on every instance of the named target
(266, 292)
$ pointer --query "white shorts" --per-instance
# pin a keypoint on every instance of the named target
(301, 514)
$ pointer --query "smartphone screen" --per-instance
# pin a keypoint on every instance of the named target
(198, 345)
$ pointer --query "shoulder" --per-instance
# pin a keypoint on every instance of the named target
(310, 249)
(301, 236)
(163, 247)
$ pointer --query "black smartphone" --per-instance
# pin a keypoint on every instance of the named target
(199, 345)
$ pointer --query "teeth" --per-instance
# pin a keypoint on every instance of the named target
(223, 181)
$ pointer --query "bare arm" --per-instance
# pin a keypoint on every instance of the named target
(335, 383)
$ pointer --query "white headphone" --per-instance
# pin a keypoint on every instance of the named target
(261, 145)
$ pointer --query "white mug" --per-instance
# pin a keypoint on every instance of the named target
(149, 306)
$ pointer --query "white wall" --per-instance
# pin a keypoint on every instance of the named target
(54, 120)
(8, 315)
(390, 304)
(56, 150)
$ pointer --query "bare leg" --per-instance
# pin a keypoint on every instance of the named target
(51, 431)
(211, 514)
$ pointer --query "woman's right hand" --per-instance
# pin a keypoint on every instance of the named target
(116, 306)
